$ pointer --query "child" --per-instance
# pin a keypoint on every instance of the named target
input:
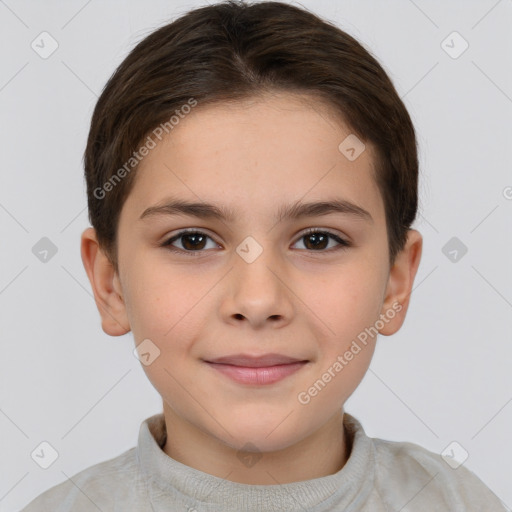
(252, 182)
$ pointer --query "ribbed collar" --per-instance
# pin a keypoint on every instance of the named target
(168, 479)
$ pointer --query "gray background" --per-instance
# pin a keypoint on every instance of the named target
(444, 377)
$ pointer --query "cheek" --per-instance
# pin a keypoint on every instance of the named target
(345, 302)
(162, 309)
(345, 307)
(168, 307)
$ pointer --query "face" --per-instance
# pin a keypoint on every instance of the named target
(253, 281)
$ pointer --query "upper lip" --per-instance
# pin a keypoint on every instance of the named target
(255, 361)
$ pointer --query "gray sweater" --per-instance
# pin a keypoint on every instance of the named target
(379, 476)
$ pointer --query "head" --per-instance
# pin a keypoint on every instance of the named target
(250, 112)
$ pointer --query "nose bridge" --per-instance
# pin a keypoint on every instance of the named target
(257, 261)
(257, 285)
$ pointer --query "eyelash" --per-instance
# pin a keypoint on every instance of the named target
(343, 244)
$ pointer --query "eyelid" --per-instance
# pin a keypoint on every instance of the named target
(307, 231)
(343, 242)
(170, 239)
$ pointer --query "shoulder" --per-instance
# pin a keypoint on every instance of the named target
(408, 474)
(96, 487)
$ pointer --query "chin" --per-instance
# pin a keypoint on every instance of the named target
(268, 434)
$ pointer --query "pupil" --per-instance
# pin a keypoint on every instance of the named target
(318, 239)
(195, 244)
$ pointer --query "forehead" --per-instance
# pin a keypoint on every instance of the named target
(256, 153)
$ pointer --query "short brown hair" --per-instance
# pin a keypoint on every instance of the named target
(233, 51)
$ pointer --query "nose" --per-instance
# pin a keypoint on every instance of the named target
(258, 292)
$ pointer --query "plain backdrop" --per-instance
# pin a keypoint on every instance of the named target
(444, 377)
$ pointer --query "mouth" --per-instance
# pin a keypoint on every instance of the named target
(257, 370)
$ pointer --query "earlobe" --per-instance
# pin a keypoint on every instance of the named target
(104, 281)
(400, 283)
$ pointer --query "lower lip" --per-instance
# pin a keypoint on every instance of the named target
(257, 376)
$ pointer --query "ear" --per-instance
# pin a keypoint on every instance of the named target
(105, 285)
(399, 287)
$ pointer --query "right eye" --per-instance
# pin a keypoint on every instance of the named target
(192, 241)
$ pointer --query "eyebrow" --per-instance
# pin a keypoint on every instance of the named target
(295, 211)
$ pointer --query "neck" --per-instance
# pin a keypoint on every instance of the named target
(322, 453)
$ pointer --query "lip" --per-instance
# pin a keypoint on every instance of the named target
(249, 361)
(257, 371)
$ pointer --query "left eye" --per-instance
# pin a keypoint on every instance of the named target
(195, 241)
(318, 239)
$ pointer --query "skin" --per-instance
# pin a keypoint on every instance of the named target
(294, 299)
